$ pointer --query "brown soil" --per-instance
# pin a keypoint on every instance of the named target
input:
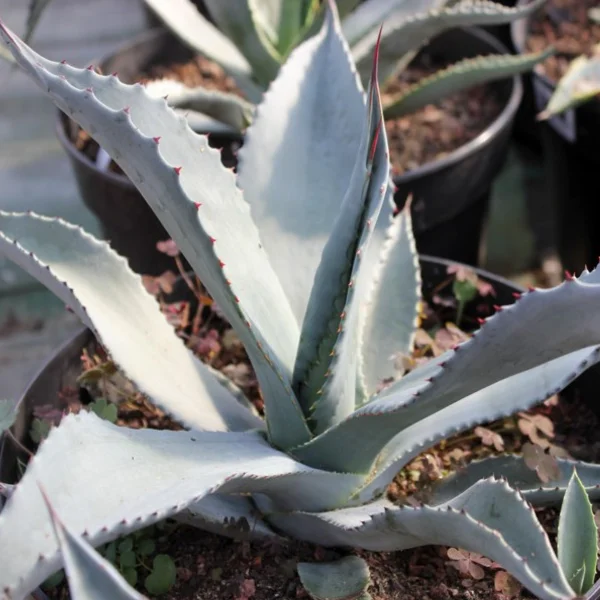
(215, 568)
(438, 129)
(565, 25)
(211, 567)
(196, 72)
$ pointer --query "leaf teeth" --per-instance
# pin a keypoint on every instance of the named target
(569, 276)
(197, 204)
(156, 139)
(177, 170)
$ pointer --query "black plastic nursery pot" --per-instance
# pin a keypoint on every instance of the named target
(63, 368)
(569, 145)
(451, 195)
(128, 223)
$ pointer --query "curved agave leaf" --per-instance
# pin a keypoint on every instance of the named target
(227, 108)
(370, 15)
(460, 76)
(125, 318)
(331, 325)
(520, 476)
(186, 22)
(196, 199)
(578, 85)
(303, 111)
(344, 579)
(577, 538)
(240, 23)
(90, 576)
(558, 328)
(503, 399)
(489, 518)
(392, 311)
(107, 481)
(403, 34)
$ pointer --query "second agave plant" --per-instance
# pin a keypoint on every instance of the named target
(322, 293)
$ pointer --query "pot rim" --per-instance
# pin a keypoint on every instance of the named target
(484, 138)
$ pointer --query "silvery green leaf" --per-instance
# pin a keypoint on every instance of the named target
(224, 107)
(107, 481)
(577, 537)
(460, 76)
(185, 21)
(238, 21)
(108, 297)
(519, 475)
(198, 202)
(404, 33)
(519, 392)
(579, 84)
(393, 306)
(90, 576)
(372, 14)
(500, 366)
(489, 518)
(344, 579)
(331, 376)
(303, 111)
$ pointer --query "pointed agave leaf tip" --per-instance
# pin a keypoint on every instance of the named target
(375, 69)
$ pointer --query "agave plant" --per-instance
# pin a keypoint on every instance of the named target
(252, 38)
(321, 284)
(580, 84)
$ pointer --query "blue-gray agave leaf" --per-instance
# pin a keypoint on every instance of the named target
(90, 576)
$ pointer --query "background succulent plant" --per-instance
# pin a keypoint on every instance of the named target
(252, 38)
(310, 268)
(580, 84)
